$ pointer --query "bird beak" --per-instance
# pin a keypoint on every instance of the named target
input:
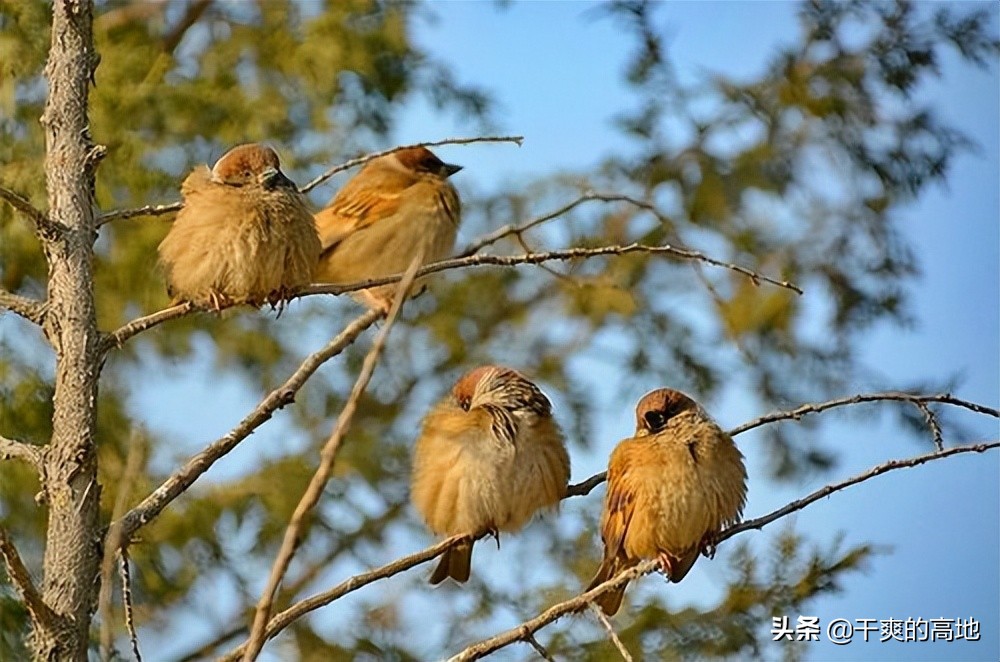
(450, 169)
(273, 178)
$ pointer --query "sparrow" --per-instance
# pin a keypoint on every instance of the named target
(672, 488)
(400, 206)
(244, 234)
(489, 456)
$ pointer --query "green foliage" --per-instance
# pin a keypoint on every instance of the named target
(177, 85)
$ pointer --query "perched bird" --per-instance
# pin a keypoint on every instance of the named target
(244, 235)
(400, 206)
(671, 488)
(489, 456)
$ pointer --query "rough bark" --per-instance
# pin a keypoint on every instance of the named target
(72, 550)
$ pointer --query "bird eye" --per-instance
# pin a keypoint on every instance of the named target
(655, 420)
(464, 403)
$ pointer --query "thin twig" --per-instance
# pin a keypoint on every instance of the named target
(585, 487)
(550, 256)
(610, 629)
(146, 210)
(282, 620)
(553, 613)
(133, 636)
(140, 324)
(280, 397)
(18, 450)
(933, 424)
(311, 496)
(32, 310)
(361, 160)
(113, 542)
(39, 612)
(815, 408)
(487, 646)
(118, 337)
(40, 220)
(545, 655)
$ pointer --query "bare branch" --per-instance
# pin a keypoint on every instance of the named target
(550, 256)
(293, 533)
(147, 210)
(553, 613)
(113, 543)
(32, 310)
(140, 324)
(118, 337)
(827, 490)
(133, 636)
(932, 424)
(518, 230)
(280, 397)
(21, 579)
(38, 218)
(610, 629)
(19, 450)
(530, 638)
(361, 160)
(815, 408)
(584, 488)
(487, 646)
(190, 17)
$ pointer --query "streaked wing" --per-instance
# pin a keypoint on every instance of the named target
(352, 211)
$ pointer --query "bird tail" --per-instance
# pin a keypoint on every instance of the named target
(680, 568)
(455, 563)
(609, 601)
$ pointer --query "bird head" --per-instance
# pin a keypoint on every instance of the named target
(422, 161)
(500, 387)
(657, 408)
(251, 164)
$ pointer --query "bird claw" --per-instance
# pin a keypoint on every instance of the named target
(709, 543)
(495, 532)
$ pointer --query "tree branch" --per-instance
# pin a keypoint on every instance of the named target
(551, 256)
(519, 633)
(147, 210)
(280, 397)
(610, 629)
(140, 324)
(21, 579)
(361, 160)
(294, 531)
(19, 450)
(41, 221)
(282, 620)
(32, 310)
(517, 230)
(815, 408)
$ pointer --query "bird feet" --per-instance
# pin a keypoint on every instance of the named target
(708, 544)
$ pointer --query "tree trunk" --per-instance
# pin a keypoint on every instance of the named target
(72, 550)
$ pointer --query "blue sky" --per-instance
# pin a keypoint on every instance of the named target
(557, 74)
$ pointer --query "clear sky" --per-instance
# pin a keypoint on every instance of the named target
(556, 71)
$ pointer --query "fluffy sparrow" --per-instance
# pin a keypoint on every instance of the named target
(671, 488)
(489, 456)
(244, 235)
(399, 207)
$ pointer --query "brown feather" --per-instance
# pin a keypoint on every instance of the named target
(679, 480)
(244, 234)
(397, 208)
(488, 458)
